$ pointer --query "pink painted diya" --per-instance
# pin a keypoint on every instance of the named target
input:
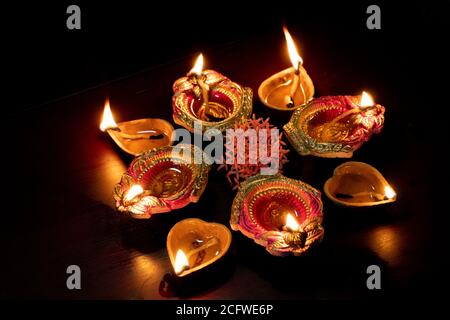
(210, 99)
(162, 180)
(282, 214)
(334, 126)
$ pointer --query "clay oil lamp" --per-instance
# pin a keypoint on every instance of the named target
(291, 88)
(334, 126)
(193, 244)
(210, 99)
(281, 214)
(136, 136)
(162, 180)
(357, 184)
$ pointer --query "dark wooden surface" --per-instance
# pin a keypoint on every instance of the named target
(61, 170)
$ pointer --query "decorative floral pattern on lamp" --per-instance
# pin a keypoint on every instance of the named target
(209, 98)
(282, 214)
(162, 180)
(334, 126)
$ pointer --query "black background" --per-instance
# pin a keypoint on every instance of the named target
(117, 39)
(53, 74)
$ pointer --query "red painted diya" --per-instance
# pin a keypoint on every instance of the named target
(334, 126)
(210, 99)
(282, 214)
(162, 180)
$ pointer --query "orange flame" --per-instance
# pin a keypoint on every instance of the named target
(181, 262)
(108, 119)
(293, 53)
(292, 224)
(133, 192)
(366, 100)
(198, 66)
(389, 192)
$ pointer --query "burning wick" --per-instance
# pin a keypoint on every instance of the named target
(389, 192)
(108, 123)
(196, 73)
(297, 61)
(295, 236)
(133, 192)
(182, 259)
(181, 262)
(291, 224)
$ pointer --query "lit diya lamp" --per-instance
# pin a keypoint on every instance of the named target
(282, 214)
(291, 88)
(193, 244)
(357, 184)
(162, 180)
(209, 98)
(136, 136)
(334, 126)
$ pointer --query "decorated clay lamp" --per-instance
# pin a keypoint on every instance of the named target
(357, 184)
(193, 244)
(282, 214)
(334, 126)
(162, 180)
(291, 88)
(209, 98)
(136, 136)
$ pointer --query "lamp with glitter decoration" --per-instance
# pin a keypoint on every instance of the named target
(162, 180)
(334, 126)
(209, 98)
(284, 215)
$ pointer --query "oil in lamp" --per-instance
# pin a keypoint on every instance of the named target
(136, 136)
(282, 214)
(208, 97)
(358, 184)
(291, 88)
(334, 126)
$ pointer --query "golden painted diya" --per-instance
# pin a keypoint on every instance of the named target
(281, 214)
(334, 126)
(162, 180)
(209, 99)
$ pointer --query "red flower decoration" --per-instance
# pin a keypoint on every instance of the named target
(241, 166)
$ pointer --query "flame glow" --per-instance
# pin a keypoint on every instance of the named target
(366, 100)
(389, 192)
(107, 119)
(181, 262)
(133, 192)
(292, 224)
(198, 66)
(293, 53)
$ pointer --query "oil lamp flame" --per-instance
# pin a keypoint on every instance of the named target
(133, 192)
(366, 100)
(181, 262)
(293, 53)
(198, 66)
(291, 224)
(389, 192)
(108, 119)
